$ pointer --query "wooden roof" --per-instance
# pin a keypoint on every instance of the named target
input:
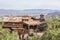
(13, 18)
(33, 22)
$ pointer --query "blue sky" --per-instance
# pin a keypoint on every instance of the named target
(29, 4)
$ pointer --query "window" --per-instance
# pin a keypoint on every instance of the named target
(24, 19)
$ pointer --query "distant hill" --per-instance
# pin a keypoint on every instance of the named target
(54, 13)
(30, 12)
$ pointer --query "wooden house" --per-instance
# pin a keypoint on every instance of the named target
(20, 23)
(14, 22)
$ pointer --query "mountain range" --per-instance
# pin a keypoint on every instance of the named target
(30, 12)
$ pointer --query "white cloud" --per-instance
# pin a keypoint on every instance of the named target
(29, 4)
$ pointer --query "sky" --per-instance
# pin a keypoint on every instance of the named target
(30, 4)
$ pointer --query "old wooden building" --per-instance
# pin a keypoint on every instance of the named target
(15, 22)
(20, 23)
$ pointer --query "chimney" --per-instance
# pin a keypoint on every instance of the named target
(42, 18)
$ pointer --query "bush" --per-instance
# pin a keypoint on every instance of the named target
(35, 37)
(51, 35)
